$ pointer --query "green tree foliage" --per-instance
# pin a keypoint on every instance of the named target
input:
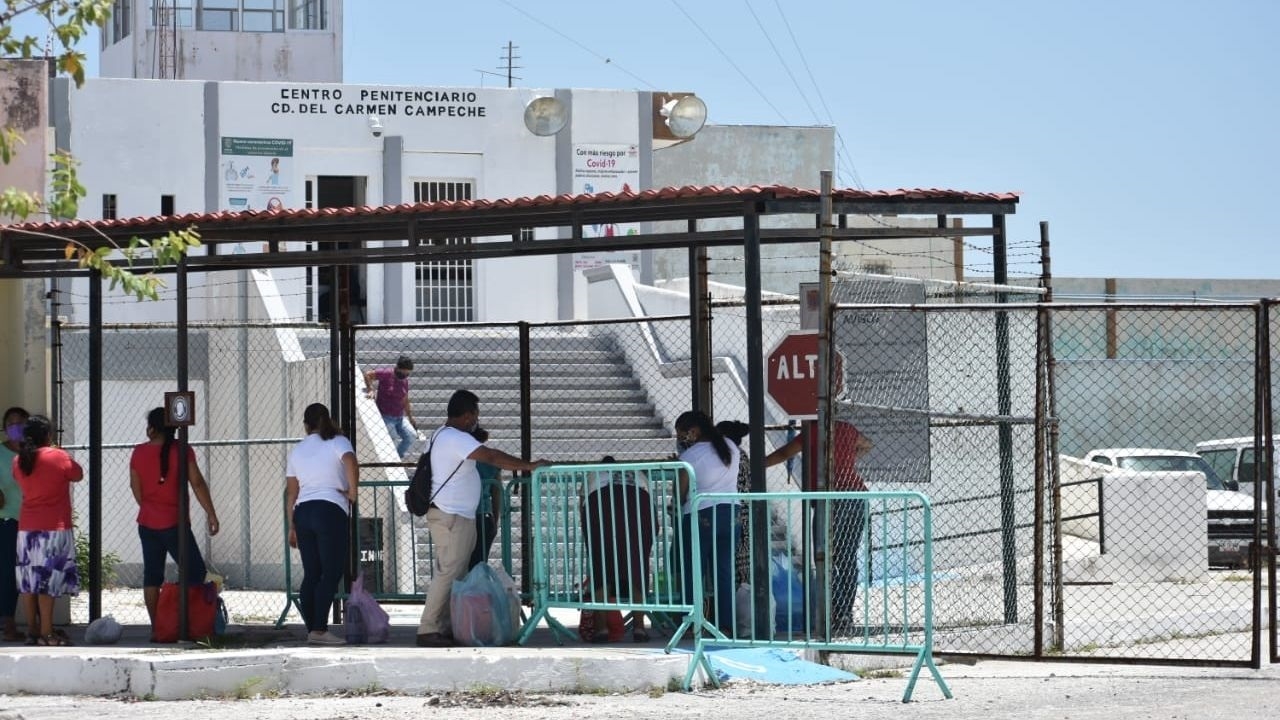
(68, 21)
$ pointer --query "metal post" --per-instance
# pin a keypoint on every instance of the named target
(1266, 486)
(1261, 406)
(95, 445)
(755, 417)
(55, 358)
(700, 326)
(526, 452)
(242, 369)
(1004, 404)
(825, 424)
(335, 344)
(184, 498)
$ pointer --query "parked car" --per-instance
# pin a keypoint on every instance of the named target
(1234, 459)
(1230, 512)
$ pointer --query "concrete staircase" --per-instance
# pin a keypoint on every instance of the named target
(586, 402)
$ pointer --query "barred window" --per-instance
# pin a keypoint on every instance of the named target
(444, 291)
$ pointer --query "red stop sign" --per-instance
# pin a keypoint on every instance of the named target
(792, 372)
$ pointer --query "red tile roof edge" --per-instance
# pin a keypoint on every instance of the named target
(529, 202)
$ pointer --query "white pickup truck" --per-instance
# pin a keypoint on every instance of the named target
(1234, 459)
(1230, 512)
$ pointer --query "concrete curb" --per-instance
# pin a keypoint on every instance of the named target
(240, 674)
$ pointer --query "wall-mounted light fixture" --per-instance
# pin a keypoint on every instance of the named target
(677, 117)
(545, 116)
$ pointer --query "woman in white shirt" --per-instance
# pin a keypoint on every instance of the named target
(320, 485)
(715, 468)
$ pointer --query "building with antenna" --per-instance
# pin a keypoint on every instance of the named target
(258, 116)
(244, 40)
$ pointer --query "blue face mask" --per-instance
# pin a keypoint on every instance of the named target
(14, 432)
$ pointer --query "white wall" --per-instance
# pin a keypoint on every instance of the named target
(296, 55)
(138, 140)
(1155, 526)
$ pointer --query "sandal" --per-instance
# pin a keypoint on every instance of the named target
(32, 640)
(54, 640)
(640, 635)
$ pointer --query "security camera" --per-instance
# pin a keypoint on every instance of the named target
(375, 125)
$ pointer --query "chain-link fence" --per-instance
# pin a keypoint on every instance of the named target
(252, 383)
(944, 399)
(1137, 390)
(1057, 444)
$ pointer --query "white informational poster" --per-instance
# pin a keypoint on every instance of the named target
(886, 392)
(606, 168)
(257, 174)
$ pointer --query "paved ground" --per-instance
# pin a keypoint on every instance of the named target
(988, 690)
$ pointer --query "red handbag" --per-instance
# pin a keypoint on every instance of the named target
(202, 612)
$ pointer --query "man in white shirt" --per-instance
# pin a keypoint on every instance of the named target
(455, 488)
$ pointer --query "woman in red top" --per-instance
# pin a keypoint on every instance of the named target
(153, 476)
(46, 562)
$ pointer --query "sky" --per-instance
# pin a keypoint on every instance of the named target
(1143, 131)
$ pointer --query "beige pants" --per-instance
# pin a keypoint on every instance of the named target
(452, 537)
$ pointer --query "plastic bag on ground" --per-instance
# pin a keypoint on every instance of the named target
(479, 609)
(103, 631)
(365, 620)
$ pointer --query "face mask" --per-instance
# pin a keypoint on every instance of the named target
(682, 444)
(14, 432)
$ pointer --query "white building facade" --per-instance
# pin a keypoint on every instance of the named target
(253, 40)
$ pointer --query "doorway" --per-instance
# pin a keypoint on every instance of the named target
(335, 191)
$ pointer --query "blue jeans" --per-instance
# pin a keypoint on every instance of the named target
(718, 537)
(156, 544)
(8, 576)
(402, 433)
(323, 541)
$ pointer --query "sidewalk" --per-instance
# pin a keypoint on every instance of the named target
(261, 659)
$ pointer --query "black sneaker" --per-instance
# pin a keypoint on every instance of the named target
(434, 640)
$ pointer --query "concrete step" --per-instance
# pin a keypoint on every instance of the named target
(550, 409)
(510, 383)
(511, 355)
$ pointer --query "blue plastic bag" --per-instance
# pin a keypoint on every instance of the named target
(788, 594)
(480, 610)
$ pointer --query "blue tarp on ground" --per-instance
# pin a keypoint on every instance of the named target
(776, 666)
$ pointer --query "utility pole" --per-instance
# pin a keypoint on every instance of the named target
(509, 59)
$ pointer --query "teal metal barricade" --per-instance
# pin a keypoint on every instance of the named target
(844, 572)
(605, 537)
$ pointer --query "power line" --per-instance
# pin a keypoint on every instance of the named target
(728, 59)
(841, 148)
(782, 60)
(607, 60)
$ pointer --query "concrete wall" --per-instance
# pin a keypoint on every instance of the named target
(1155, 525)
(24, 104)
(294, 55)
(129, 150)
(792, 156)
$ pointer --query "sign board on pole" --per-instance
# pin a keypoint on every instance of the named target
(792, 372)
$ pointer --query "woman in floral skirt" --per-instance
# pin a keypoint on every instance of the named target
(46, 562)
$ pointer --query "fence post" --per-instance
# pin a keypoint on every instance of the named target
(1004, 404)
(526, 453)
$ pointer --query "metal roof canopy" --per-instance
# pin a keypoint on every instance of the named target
(38, 250)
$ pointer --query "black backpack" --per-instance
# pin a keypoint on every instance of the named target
(419, 495)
